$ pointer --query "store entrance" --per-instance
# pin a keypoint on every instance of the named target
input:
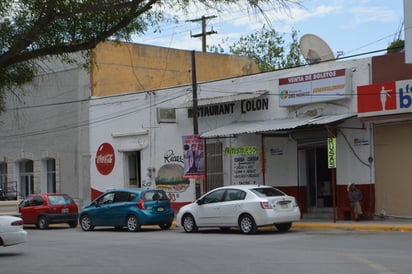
(318, 177)
(134, 169)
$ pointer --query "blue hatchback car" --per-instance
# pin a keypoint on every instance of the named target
(130, 208)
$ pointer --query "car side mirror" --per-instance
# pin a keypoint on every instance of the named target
(95, 204)
(200, 202)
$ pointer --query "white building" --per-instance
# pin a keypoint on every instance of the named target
(269, 128)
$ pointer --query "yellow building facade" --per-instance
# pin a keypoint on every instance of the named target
(127, 67)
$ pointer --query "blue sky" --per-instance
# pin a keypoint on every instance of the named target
(351, 26)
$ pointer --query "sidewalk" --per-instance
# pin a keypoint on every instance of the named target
(385, 224)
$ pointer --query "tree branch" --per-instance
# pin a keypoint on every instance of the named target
(17, 53)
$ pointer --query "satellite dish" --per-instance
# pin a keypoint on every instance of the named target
(314, 49)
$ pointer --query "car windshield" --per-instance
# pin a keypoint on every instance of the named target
(60, 200)
(267, 192)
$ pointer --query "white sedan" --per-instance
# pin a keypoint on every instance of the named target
(245, 206)
(11, 231)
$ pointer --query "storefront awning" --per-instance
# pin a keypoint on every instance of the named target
(272, 125)
(225, 99)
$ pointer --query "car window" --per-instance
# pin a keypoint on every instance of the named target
(68, 199)
(106, 199)
(26, 202)
(154, 195)
(234, 195)
(57, 199)
(121, 197)
(132, 196)
(37, 200)
(214, 197)
(267, 192)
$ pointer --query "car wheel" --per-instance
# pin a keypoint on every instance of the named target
(132, 223)
(283, 227)
(247, 224)
(165, 226)
(86, 223)
(42, 222)
(189, 224)
(73, 224)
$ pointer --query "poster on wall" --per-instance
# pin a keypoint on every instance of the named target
(193, 154)
(246, 165)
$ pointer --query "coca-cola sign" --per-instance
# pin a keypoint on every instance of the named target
(105, 158)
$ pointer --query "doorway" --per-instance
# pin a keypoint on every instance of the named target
(134, 169)
(318, 177)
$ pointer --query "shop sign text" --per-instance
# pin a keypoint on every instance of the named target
(246, 106)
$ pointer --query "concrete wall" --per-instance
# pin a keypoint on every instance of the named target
(49, 119)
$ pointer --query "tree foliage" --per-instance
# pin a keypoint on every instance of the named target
(267, 48)
(396, 46)
(38, 29)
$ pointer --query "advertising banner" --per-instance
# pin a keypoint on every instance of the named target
(313, 88)
(331, 152)
(246, 165)
(385, 98)
(193, 154)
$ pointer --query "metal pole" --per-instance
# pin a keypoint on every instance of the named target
(334, 194)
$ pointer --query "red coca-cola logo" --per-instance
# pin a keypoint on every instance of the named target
(105, 158)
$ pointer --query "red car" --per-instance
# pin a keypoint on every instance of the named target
(49, 208)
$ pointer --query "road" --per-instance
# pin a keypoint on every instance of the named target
(63, 250)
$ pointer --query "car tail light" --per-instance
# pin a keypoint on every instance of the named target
(140, 204)
(266, 205)
(17, 223)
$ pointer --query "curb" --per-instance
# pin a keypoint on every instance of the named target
(350, 226)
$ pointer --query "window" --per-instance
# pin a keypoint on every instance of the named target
(59, 200)
(106, 199)
(26, 177)
(51, 175)
(3, 180)
(214, 197)
(37, 201)
(26, 202)
(121, 197)
(267, 192)
(234, 195)
(166, 115)
(154, 195)
(3, 175)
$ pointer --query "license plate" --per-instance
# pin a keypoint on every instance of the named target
(160, 209)
(284, 204)
(65, 210)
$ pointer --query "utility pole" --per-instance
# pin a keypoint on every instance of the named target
(204, 33)
(194, 99)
